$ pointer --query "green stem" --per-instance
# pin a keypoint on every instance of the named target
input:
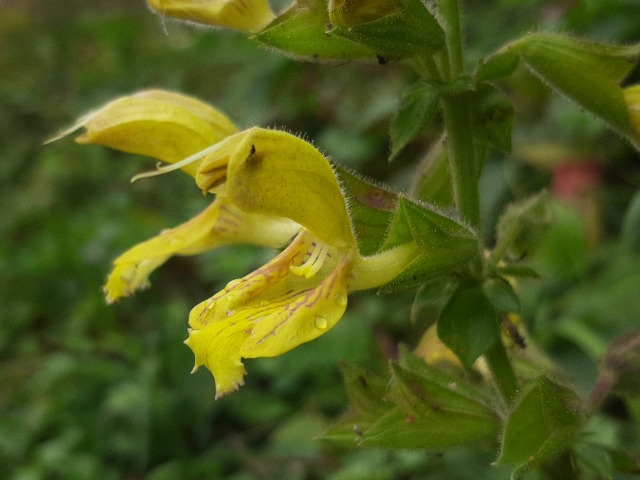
(464, 173)
(457, 118)
(461, 158)
(450, 10)
(502, 371)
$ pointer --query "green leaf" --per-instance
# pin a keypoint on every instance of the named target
(446, 383)
(543, 424)
(412, 31)
(445, 244)
(371, 209)
(300, 32)
(418, 107)
(364, 390)
(433, 230)
(501, 295)
(468, 324)
(429, 300)
(587, 73)
(434, 411)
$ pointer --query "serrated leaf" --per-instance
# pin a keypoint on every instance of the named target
(365, 392)
(431, 431)
(586, 72)
(371, 209)
(301, 32)
(433, 230)
(419, 393)
(468, 324)
(412, 31)
(451, 383)
(418, 107)
(434, 411)
(541, 426)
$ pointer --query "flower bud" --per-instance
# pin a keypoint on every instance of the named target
(245, 15)
(351, 13)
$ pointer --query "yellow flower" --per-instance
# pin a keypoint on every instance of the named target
(302, 292)
(632, 98)
(270, 186)
(245, 15)
(170, 126)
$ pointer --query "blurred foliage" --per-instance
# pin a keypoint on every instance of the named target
(91, 391)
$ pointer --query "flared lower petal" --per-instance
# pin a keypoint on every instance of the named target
(267, 313)
(221, 223)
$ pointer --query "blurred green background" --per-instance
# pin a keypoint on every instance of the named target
(91, 391)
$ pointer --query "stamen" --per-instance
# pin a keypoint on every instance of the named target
(160, 170)
(314, 263)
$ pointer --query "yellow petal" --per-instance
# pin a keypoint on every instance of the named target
(278, 174)
(155, 123)
(434, 352)
(245, 15)
(264, 326)
(127, 277)
(289, 321)
(221, 223)
(265, 314)
(217, 347)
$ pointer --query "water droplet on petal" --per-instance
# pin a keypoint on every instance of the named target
(340, 300)
(232, 284)
(321, 322)
(230, 312)
(263, 303)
